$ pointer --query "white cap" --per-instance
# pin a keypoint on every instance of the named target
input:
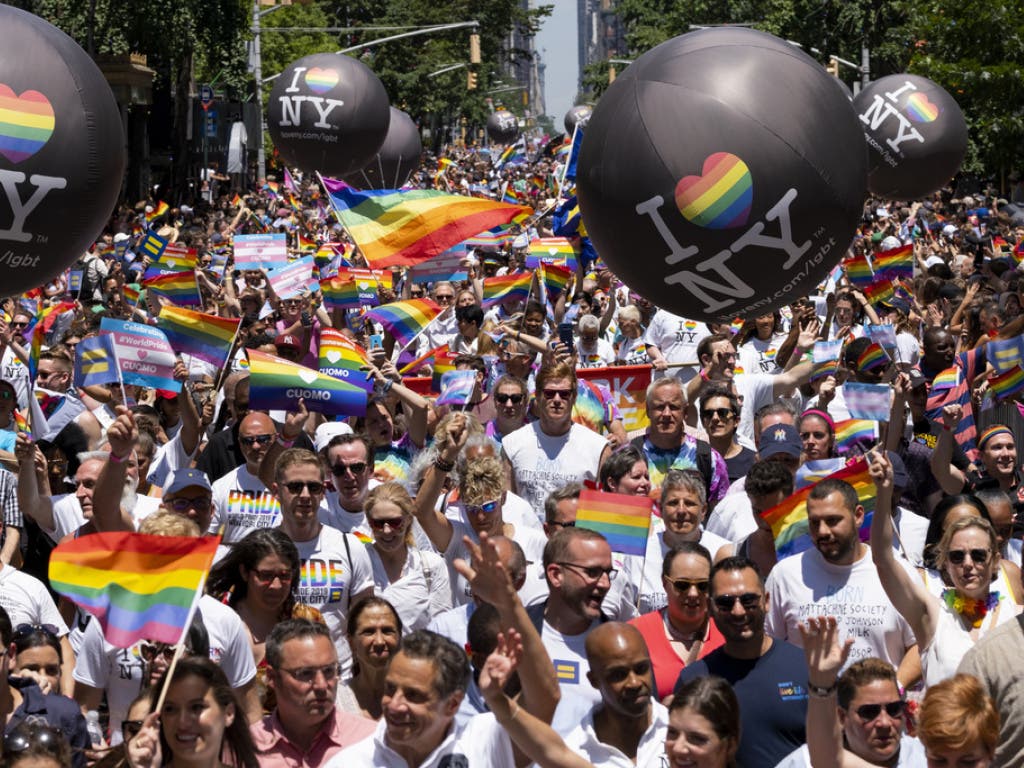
(890, 243)
(328, 431)
(931, 261)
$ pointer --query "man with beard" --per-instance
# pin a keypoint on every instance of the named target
(768, 676)
(629, 726)
(837, 577)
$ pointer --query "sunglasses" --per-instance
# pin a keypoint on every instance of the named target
(150, 651)
(683, 586)
(267, 576)
(33, 735)
(722, 413)
(308, 674)
(869, 712)
(201, 504)
(748, 600)
(978, 556)
(395, 523)
(315, 487)
(130, 728)
(487, 508)
(506, 398)
(26, 630)
(254, 439)
(356, 468)
(551, 394)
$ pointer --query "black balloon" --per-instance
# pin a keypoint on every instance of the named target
(502, 127)
(398, 157)
(578, 114)
(916, 135)
(328, 113)
(722, 174)
(61, 151)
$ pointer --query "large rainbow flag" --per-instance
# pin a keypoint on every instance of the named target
(506, 288)
(275, 383)
(137, 586)
(395, 228)
(789, 519)
(179, 287)
(207, 337)
(405, 319)
(622, 519)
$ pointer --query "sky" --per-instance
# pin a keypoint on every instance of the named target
(557, 45)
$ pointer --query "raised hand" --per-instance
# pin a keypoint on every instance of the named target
(825, 654)
(123, 433)
(501, 664)
(488, 579)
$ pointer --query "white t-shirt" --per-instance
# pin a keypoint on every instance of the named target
(652, 590)
(531, 541)
(757, 391)
(68, 517)
(12, 369)
(757, 356)
(568, 654)
(633, 352)
(650, 752)
(677, 338)
(229, 641)
(541, 463)
(333, 514)
(481, 743)
(116, 671)
(420, 593)
(242, 503)
(808, 585)
(733, 517)
(599, 356)
(26, 600)
(169, 458)
(331, 574)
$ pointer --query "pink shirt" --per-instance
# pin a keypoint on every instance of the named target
(275, 751)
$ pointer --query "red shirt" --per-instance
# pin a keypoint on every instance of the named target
(666, 662)
(343, 729)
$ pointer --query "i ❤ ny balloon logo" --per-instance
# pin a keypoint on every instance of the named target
(320, 80)
(26, 123)
(720, 197)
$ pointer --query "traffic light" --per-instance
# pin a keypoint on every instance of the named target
(474, 48)
(471, 81)
(833, 66)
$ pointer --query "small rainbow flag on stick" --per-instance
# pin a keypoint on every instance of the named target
(873, 358)
(340, 292)
(1007, 384)
(556, 279)
(405, 319)
(179, 287)
(506, 288)
(207, 337)
(622, 519)
(158, 210)
(850, 432)
(411, 368)
(137, 586)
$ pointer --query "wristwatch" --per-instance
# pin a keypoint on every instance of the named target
(821, 693)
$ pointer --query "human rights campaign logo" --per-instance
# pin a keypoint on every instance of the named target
(567, 671)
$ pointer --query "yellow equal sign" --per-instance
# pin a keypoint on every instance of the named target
(567, 671)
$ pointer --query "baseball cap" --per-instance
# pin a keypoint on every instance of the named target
(328, 431)
(932, 261)
(780, 438)
(187, 478)
(166, 394)
(288, 340)
(917, 379)
(900, 478)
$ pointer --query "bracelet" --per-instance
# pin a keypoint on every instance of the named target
(386, 386)
(119, 459)
(822, 693)
(444, 466)
(704, 375)
(286, 443)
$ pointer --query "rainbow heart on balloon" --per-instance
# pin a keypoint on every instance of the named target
(920, 109)
(720, 197)
(26, 123)
(320, 81)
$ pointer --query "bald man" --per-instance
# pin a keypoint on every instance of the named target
(629, 725)
(241, 501)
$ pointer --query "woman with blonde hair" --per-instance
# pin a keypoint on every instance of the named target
(414, 581)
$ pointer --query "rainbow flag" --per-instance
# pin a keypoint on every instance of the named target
(342, 358)
(137, 586)
(879, 292)
(444, 362)
(1018, 252)
(946, 379)
(859, 271)
(306, 243)
(340, 293)
(419, 362)
(158, 210)
(277, 384)
(895, 264)
(556, 280)
(498, 237)
(397, 228)
(873, 358)
(506, 288)
(851, 432)
(552, 250)
(236, 201)
(179, 287)
(20, 423)
(405, 319)
(824, 369)
(590, 409)
(131, 292)
(623, 520)
(272, 188)
(513, 154)
(207, 337)
(1006, 385)
(789, 519)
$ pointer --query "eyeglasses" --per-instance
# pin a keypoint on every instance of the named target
(315, 487)
(356, 468)
(253, 439)
(308, 674)
(487, 508)
(267, 576)
(201, 504)
(394, 523)
(33, 735)
(551, 394)
(592, 572)
(130, 728)
(748, 600)
(504, 397)
(894, 709)
(722, 413)
(682, 586)
(150, 651)
(815, 435)
(570, 524)
(978, 556)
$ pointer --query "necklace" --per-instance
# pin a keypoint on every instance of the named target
(674, 634)
(974, 610)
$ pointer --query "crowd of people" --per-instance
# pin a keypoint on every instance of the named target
(411, 588)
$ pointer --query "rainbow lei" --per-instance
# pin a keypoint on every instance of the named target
(971, 609)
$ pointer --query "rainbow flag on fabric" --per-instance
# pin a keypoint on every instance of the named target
(858, 271)
(132, 292)
(419, 362)
(896, 263)
(789, 519)
(552, 250)
(556, 280)
(179, 287)
(136, 585)
(343, 359)
(158, 210)
(513, 154)
(512, 196)
(1007, 385)
(590, 409)
(506, 288)
(237, 201)
(824, 369)
(444, 362)
(405, 319)
(340, 292)
(873, 358)
(622, 519)
(852, 432)
(278, 384)
(306, 243)
(207, 337)
(403, 228)
(20, 423)
(881, 291)
(498, 237)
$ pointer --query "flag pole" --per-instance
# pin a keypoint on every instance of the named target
(565, 168)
